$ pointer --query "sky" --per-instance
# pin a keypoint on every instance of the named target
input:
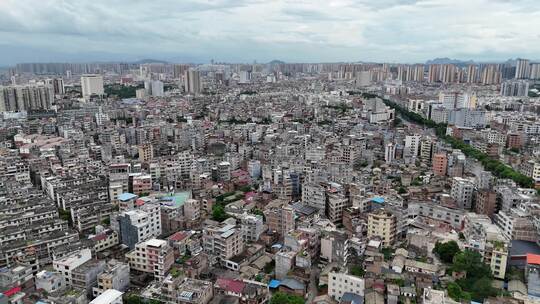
(405, 31)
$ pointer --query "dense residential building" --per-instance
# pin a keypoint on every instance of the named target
(341, 283)
(139, 224)
(383, 225)
(153, 256)
(462, 192)
(223, 242)
(68, 264)
(280, 220)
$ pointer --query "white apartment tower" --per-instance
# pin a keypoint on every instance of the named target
(462, 192)
(91, 84)
(192, 82)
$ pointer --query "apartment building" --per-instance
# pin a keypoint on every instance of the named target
(67, 264)
(280, 220)
(440, 164)
(140, 224)
(252, 227)
(382, 224)
(340, 283)
(114, 276)
(153, 256)
(462, 192)
(222, 242)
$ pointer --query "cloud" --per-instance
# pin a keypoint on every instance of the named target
(292, 30)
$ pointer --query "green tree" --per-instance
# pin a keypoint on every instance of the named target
(478, 279)
(471, 262)
(456, 293)
(133, 299)
(358, 270)
(218, 213)
(283, 298)
(446, 251)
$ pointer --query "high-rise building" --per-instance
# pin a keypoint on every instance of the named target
(389, 153)
(535, 71)
(382, 224)
(245, 77)
(140, 224)
(179, 70)
(146, 152)
(466, 118)
(515, 88)
(153, 88)
(427, 149)
(418, 73)
(412, 145)
(280, 220)
(252, 227)
(472, 73)
(434, 73)
(448, 73)
(363, 79)
(192, 82)
(26, 98)
(91, 84)
(440, 162)
(153, 256)
(157, 88)
(462, 192)
(491, 74)
(523, 69)
(222, 242)
(486, 202)
(57, 85)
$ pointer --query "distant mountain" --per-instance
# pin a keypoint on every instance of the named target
(449, 61)
(276, 62)
(143, 61)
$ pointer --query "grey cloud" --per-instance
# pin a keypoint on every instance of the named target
(400, 30)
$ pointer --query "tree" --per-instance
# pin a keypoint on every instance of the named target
(446, 251)
(283, 298)
(456, 293)
(268, 268)
(133, 299)
(478, 279)
(482, 289)
(496, 167)
(357, 270)
(471, 262)
(218, 213)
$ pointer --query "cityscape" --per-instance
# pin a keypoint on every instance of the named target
(225, 181)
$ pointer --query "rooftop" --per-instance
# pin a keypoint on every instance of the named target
(107, 297)
(126, 196)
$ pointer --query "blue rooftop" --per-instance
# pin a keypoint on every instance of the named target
(126, 196)
(274, 283)
(175, 199)
(378, 200)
